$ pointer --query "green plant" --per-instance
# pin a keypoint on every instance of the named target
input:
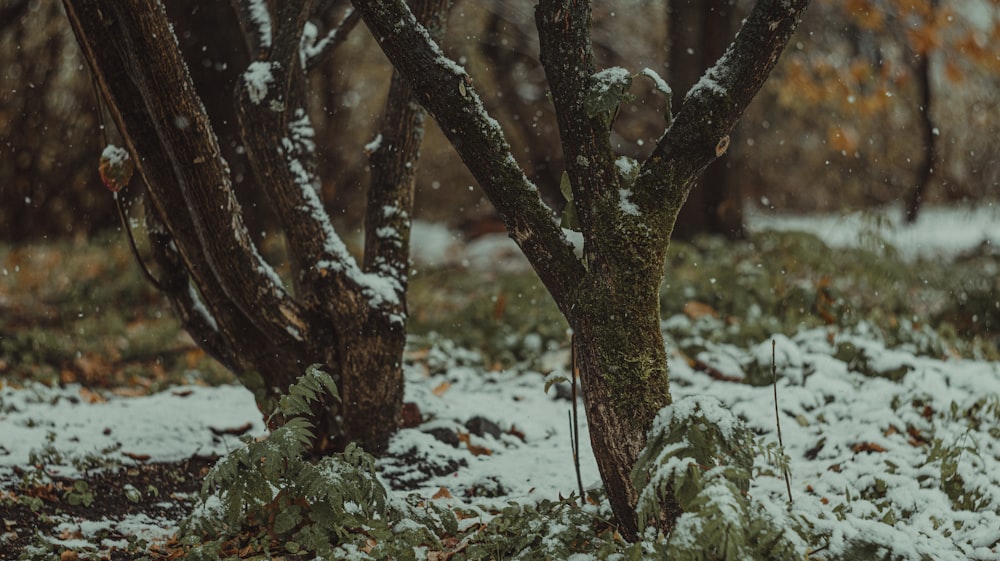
(271, 491)
(702, 455)
(79, 494)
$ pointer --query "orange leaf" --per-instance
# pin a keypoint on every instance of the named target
(867, 447)
(91, 396)
(442, 493)
(441, 389)
(694, 310)
(115, 168)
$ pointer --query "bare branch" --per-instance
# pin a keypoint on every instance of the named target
(318, 50)
(181, 162)
(700, 132)
(255, 21)
(447, 92)
(394, 157)
(567, 55)
(278, 137)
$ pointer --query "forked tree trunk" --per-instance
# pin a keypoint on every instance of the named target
(350, 318)
(610, 297)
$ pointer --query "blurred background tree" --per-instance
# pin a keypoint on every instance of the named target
(872, 96)
(49, 142)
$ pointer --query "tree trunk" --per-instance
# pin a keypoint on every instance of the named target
(623, 372)
(348, 317)
(915, 198)
(610, 297)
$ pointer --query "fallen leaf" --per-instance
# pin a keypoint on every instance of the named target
(236, 431)
(442, 493)
(867, 447)
(694, 309)
(517, 432)
(136, 457)
(441, 389)
(474, 448)
(91, 396)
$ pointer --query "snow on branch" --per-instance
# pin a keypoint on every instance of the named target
(448, 93)
(255, 19)
(316, 49)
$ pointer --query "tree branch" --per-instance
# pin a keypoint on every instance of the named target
(700, 131)
(567, 55)
(278, 136)
(319, 50)
(180, 161)
(448, 94)
(394, 158)
(255, 21)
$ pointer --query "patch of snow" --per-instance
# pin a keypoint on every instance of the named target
(605, 79)
(658, 81)
(374, 144)
(261, 17)
(625, 203)
(939, 231)
(713, 79)
(258, 79)
(169, 426)
(114, 155)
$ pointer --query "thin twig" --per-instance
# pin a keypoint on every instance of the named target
(323, 48)
(575, 424)
(777, 419)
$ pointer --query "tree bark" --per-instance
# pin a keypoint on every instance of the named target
(610, 298)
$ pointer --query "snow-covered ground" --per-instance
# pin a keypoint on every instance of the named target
(939, 231)
(851, 437)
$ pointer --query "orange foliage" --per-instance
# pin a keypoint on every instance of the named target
(865, 15)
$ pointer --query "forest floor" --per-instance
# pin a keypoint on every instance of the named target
(886, 340)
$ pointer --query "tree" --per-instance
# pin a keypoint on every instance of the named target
(350, 317)
(347, 316)
(626, 210)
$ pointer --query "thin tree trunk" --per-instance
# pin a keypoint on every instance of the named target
(915, 198)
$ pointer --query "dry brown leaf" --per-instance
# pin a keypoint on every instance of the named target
(475, 449)
(694, 309)
(442, 493)
(236, 431)
(867, 447)
(91, 396)
(441, 389)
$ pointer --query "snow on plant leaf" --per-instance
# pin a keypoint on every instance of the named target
(115, 167)
(608, 89)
